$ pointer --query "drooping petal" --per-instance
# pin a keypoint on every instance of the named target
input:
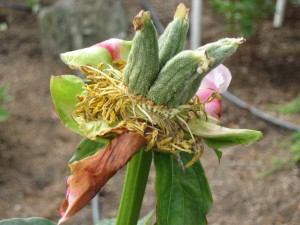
(91, 173)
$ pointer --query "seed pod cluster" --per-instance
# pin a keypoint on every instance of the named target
(160, 71)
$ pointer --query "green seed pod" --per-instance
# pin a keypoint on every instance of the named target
(217, 52)
(173, 38)
(143, 64)
(179, 72)
(221, 49)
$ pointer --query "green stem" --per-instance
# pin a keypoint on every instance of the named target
(134, 188)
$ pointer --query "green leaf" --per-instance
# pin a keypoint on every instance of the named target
(182, 197)
(144, 221)
(64, 90)
(289, 108)
(87, 148)
(27, 221)
(218, 153)
(217, 137)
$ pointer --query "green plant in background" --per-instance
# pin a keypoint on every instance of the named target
(289, 108)
(3, 99)
(293, 143)
(295, 147)
(34, 4)
(296, 1)
(243, 17)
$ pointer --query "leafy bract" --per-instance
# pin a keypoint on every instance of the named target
(27, 221)
(182, 197)
(87, 148)
(93, 129)
(64, 90)
(217, 137)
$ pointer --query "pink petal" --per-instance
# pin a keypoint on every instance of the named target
(214, 108)
(218, 79)
(204, 94)
(114, 46)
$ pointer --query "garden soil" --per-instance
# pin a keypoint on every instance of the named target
(35, 147)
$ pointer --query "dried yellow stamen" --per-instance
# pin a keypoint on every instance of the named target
(107, 98)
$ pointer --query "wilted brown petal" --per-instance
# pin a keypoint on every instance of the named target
(90, 174)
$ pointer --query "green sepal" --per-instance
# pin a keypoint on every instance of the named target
(27, 221)
(217, 137)
(182, 197)
(93, 129)
(91, 56)
(64, 89)
(87, 148)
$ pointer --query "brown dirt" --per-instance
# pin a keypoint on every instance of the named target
(35, 147)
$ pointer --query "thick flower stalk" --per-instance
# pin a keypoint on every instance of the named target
(147, 94)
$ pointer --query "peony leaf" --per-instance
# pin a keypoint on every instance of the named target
(64, 90)
(218, 153)
(87, 148)
(217, 137)
(27, 221)
(182, 197)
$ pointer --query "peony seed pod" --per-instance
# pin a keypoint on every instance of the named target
(143, 65)
(175, 77)
(172, 41)
(221, 49)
